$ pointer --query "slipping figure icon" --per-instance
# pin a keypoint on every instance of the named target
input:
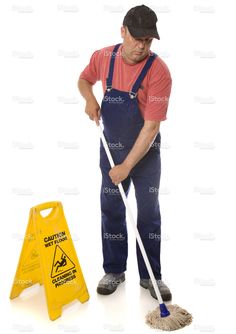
(61, 263)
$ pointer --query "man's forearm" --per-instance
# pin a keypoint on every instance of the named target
(86, 89)
(92, 107)
(143, 143)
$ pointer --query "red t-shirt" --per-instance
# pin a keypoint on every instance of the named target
(153, 95)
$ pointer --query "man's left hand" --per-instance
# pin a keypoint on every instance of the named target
(119, 173)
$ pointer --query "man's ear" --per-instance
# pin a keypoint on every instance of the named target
(123, 31)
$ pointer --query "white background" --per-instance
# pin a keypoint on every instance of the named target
(49, 151)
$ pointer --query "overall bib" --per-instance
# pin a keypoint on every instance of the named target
(122, 124)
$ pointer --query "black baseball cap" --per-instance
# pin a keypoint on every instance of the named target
(141, 22)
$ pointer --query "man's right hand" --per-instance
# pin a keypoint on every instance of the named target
(92, 109)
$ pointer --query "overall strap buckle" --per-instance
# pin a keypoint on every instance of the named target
(108, 88)
(133, 94)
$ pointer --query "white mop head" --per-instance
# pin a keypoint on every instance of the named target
(177, 319)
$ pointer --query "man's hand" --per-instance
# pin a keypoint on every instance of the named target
(140, 148)
(119, 173)
(92, 109)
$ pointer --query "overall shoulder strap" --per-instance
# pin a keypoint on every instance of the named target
(111, 68)
(136, 86)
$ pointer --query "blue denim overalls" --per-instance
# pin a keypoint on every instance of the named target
(122, 124)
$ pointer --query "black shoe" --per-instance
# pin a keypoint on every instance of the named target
(164, 290)
(109, 283)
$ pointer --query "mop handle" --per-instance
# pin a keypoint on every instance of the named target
(140, 243)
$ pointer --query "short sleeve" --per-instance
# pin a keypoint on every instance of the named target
(158, 94)
(91, 73)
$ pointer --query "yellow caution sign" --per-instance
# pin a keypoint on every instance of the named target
(48, 257)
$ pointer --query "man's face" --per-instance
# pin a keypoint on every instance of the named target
(135, 50)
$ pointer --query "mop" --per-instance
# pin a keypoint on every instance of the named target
(168, 319)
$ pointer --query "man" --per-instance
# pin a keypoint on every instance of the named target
(137, 85)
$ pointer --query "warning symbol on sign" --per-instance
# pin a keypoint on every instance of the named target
(61, 262)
